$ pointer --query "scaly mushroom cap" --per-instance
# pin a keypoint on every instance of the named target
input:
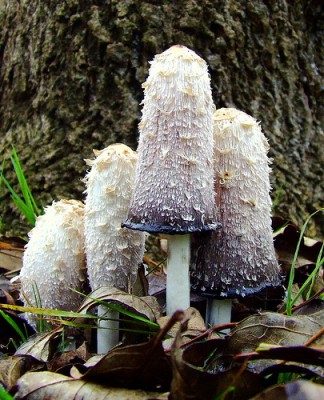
(113, 253)
(53, 260)
(174, 177)
(241, 259)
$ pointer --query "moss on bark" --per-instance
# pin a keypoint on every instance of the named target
(71, 75)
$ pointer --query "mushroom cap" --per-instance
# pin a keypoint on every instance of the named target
(113, 253)
(54, 259)
(174, 177)
(241, 259)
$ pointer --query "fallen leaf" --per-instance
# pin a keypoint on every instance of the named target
(41, 346)
(298, 390)
(13, 367)
(53, 386)
(11, 252)
(62, 362)
(273, 328)
(144, 365)
(191, 381)
(301, 354)
(147, 306)
(196, 324)
(285, 242)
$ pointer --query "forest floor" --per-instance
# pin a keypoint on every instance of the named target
(272, 348)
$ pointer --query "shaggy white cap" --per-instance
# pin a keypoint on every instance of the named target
(53, 260)
(174, 179)
(241, 259)
(113, 253)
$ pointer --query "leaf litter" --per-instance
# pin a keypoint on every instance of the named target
(184, 359)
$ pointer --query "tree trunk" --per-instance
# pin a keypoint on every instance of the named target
(71, 74)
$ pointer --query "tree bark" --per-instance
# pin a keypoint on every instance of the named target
(71, 74)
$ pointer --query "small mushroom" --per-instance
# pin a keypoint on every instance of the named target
(113, 253)
(174, 179)
(241, 260)
(53, 260)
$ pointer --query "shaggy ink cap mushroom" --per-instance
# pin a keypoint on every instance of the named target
(113, 253)
(174, 179)
(241, 259)
(54, 260)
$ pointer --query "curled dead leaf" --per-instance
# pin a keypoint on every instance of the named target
(53, 386)
(14, 367)
(192, 381)
(147, 306)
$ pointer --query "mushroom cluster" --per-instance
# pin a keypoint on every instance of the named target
(196, 170)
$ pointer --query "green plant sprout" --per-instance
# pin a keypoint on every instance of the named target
(291, 301)
(4, 395)
(25, 202)
(16, 328)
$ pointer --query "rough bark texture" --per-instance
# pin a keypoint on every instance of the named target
(71, 74)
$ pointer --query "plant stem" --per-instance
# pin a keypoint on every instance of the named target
(218, 311)
(178, 282)
(108, 329)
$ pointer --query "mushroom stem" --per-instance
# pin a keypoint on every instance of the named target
(108, 332)
(178, 273)
(218, 312)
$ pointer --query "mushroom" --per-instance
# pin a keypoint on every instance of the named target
(174, 179)
(53, 261)
(241, 260)
(113, 253)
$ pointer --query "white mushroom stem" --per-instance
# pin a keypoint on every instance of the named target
(218, 312)
(178, 282)
(108, 330)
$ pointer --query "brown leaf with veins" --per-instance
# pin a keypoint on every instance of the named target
(52, 386)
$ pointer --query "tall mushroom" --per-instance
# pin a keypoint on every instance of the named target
(240, 260)
(174, 179)
(113, 253)
(53, 260)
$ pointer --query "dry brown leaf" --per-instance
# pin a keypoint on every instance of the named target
(273, 328)
(145, 306)
(190, 380)
(53, 386)
(14, 367)
(196, 324)
(142, 365)
(41, 346)
(11, 252)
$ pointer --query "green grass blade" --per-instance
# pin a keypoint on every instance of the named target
(26, 192)
(28, 213)
(4, 395)
(290, 300)
(13, 324)
(130, 314)
(311, 279)
(48, 311)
